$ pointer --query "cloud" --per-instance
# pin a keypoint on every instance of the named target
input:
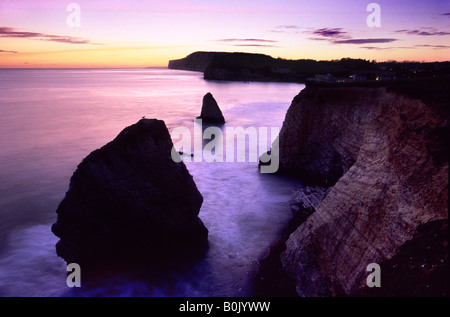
(365, 41)
(3, 51)
(376, 48)
(254, 45)
(246, 40)
(322, 33)
(11, 32)
(446, 14)
(339, 36)
(387, 48)
(422, 32)
(331, 33)
(436, 47)
(249, 42)
(290, 26)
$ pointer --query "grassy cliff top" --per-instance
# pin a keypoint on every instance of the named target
(434, 91)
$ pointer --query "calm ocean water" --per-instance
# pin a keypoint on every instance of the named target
(51, 119)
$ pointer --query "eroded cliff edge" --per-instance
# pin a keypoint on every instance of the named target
(385, 151)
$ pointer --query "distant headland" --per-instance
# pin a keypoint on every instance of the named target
(259, 67)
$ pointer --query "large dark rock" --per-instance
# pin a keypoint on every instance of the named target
(211, 112)
(130, 200)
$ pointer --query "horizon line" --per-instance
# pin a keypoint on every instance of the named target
(166, 66)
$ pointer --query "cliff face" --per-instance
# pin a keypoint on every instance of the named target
(323, 132)
(197, 61)
(386, 155)
(239, 67)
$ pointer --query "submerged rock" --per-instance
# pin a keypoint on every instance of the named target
(130, 200)
(210, 110)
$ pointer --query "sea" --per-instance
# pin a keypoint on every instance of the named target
(50, 119)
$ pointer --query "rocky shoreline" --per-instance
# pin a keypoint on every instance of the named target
(373, 159)
(380, 147)
(272, 280)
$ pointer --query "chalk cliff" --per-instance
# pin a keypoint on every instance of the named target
(240, 67)
(384, 152)
(197, 61)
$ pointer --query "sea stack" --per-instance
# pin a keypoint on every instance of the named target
(210, 110)
(130, 201)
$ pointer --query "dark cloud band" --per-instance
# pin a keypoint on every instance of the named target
(423, 32)
(331, 33)
(3, 51)
(13, 33)
(365, 41)
(247, 40)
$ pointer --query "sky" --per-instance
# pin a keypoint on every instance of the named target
(141, 33)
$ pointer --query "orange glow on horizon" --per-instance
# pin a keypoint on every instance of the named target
(134, 33)
(138, 57)
(103, 57)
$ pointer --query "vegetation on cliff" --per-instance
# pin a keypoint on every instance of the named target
(259, 67)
